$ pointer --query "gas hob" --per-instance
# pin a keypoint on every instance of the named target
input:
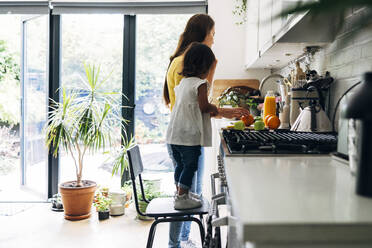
(250, 142)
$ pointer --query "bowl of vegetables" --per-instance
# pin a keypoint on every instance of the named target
(241, 96)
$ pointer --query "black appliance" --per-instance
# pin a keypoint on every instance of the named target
(278, 142)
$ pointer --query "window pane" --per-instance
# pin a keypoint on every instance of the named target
(10, 114)
(92, 39)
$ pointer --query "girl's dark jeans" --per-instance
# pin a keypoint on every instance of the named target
(186, 158)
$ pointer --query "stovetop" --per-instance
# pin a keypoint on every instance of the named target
(278, 142)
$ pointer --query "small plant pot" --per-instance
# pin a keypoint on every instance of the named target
(103, 215)
(56, 206)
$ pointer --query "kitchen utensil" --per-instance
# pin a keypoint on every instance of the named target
(312, 119)
(300, 75)
(287, 83)
(283, 89)
(300, 98)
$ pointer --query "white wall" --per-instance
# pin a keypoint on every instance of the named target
(229, 44)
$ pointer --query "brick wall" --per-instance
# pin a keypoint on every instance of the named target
(347, 58)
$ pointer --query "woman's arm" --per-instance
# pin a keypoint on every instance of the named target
(204, 105)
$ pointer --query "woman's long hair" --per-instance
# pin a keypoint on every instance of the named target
(197, 28)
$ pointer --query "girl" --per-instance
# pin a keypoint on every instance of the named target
(199, 28)
(190, 126)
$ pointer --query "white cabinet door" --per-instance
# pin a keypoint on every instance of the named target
(252, 52)
(277, 22)
(264, 27)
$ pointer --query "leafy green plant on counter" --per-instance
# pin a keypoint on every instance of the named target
(231, 98)
(236, 99)
(251, 103)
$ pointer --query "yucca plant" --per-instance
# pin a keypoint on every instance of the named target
(83, 122)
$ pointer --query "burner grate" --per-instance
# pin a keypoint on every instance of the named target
(280, 141)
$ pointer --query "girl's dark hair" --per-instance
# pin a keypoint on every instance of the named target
(197, 28)
(198, 60)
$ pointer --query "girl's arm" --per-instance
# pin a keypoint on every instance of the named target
(232, 112)
(204, 105)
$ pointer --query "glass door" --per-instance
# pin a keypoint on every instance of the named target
(34, 93)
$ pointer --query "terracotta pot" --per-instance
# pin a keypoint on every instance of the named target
(77, 201)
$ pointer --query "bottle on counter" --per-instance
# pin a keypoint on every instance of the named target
(269, 104)
(284, 116)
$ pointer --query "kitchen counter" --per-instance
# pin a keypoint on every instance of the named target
(297, 199)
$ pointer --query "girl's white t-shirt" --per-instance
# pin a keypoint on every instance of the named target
(188, 126)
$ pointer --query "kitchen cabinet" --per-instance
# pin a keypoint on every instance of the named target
(252, 47)
(271, 41)
(264, 25)
(297, 201)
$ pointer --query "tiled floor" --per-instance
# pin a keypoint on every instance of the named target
(39, 227)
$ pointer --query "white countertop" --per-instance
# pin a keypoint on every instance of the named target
(303, 198)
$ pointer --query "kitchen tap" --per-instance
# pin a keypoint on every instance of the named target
(267, 78)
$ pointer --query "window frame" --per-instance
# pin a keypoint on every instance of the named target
(128, 76)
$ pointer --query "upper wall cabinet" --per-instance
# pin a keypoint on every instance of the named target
(272, 41)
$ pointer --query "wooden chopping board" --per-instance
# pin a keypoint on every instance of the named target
(220, 85)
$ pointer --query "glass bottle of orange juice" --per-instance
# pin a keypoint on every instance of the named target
(269, 104)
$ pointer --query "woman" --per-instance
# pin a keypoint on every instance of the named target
(199, 28)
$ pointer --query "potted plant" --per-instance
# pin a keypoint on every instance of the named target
(57, 203)
(82, 123)
(150, 194)
(127, 188)
(102, 204)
